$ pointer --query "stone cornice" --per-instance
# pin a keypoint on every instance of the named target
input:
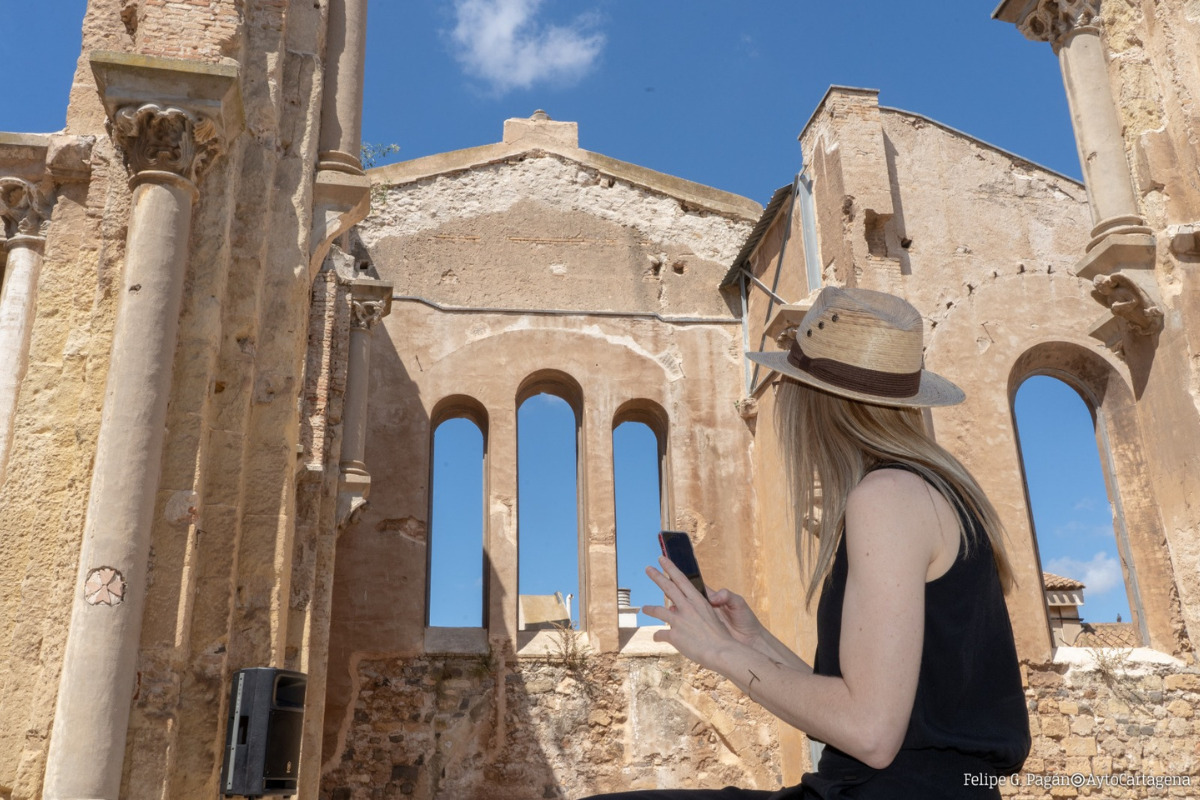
(168, 115)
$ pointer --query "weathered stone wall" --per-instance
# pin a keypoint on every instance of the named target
(477, 727)
(1153, 73)
(1113, 719)
(558, 270)
(221, 561)
(984, 245)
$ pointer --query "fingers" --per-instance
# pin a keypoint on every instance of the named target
(719, 597)
(671, 589)
(659, 612)
(681, 581)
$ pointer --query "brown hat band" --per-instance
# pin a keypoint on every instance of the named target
(858, 379)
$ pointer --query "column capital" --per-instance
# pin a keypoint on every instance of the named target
(1050, 20)
(23, 211)
(370, 301)
(166, 139)
(168, 115)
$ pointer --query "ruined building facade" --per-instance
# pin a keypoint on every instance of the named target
(227, 349)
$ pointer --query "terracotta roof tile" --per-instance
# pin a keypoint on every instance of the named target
(1052, 581)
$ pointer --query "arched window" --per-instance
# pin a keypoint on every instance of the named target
(457, 585)
(639, 449)
(547, 508)
(1084, 564)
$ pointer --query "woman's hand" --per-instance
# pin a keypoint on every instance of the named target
(734, 611)
(696, 628)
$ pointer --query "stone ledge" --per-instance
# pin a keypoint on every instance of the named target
(1118, 251)
(210, 89)
(456, 641)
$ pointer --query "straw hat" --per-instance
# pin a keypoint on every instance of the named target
(863, 345)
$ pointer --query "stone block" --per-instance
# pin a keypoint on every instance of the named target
(1055, 727)
(1083, 726)
(1186, 681)
(1080, 746)
(1045, 680)
(1180, 708)
(1079, 764)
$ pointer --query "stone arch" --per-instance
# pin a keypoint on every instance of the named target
(448, 408)
(562, 385)
(555, 382)
(1141, 541)
(635, 545)
(653, 416)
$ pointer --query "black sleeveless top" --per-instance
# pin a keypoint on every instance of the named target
(969, 715)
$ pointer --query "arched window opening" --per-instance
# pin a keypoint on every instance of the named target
(456, 535)
(637, 482)
(1078, 535)
(547, 513)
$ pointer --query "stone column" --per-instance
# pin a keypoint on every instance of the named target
(341, 192)
(1072, 27)
(24, 223)
(371, 301)
(1120, 258)
(166, 148)
(341, 102)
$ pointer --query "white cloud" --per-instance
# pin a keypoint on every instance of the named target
(502, 42)
(1099, 575)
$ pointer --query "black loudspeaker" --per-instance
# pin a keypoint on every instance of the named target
(262, 740)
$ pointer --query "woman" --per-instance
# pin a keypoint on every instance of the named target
(915, 688)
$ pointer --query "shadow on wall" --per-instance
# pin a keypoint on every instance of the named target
(380, 561)
(487, 727)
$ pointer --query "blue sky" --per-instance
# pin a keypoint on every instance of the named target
(715, 92)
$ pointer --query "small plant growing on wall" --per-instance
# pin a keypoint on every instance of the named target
(567, 652)
(1112, 667)
(369, 155)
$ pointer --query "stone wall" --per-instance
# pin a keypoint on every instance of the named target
(219, 594)
(1114, 717)
(1153, 73)
(478, 727)
(559, 270)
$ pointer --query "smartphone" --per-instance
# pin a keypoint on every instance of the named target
(678, 547)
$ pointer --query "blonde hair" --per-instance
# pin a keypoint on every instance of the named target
(829, 443)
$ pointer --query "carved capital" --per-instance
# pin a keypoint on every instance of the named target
(1051, 20)
(370, 301)
(22, 208)
(1129, 301)
(365, 313)
(166, 138)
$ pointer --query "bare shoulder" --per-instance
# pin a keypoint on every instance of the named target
(898, 509)
(889, 487)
